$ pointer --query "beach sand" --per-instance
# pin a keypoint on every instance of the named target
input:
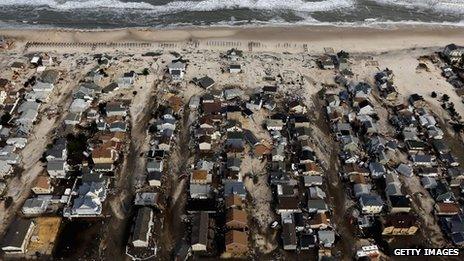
(353, 39)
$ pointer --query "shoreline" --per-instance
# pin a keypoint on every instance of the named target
(354, 39)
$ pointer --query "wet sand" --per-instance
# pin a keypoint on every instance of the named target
(355, 39)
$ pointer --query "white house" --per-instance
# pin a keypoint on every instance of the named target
(235, 68)
(35, 206)
(176, 70)
(371, 204)
(57, 169)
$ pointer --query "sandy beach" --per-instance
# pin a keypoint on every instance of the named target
(353, 39)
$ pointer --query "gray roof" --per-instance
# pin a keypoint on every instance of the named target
(142, 224)
(376, 168)
(33, 203)
(146, 198)
(120, 125)
(155, 175)
(155, 165)
(234, 162)
(393, 189)
(200, 224)
(289, 234)
(316, 192)
(405, 170)
(326, 237)
(428, 182)
(312, 180)
(176, 65)
(56, 165)
(370, 200)
(318, 204)
(361, 189)
(16, 233)
(232, 187)
(50, 76)
(200, 188)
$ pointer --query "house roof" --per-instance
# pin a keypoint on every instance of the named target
(200, 225)
(319, 219)
(288, 203)
(16, 233)
(289, 234)
(318, 204)
(236, 237)
(205, 82)
(232, 187)
(236, 215)
(326, 236)
(370, 200)
(154, 175)
(211, 107)
(142, 224)
(447, 208)
(261, 149)
(42, 182)
(199, 175)
(250, 137)
(313, 179)
(176, 102)
(56, 165)
(233, 200)
(50, 76)
(401, 220)
(399, 201)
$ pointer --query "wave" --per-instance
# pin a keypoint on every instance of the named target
(443, 6)
(179, 6)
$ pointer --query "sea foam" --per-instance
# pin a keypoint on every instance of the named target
(441, 6)
(180, 6)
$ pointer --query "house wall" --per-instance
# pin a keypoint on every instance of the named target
(154, 183)
(398, 210)
(57, 174)
(204, 146)
(38, 190)
(198, 247)
(371, 209)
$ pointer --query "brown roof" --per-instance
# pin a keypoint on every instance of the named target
(237, 237)
(288, 203)
(261, 149)
(176, 102)
(444, 208)
(319, 218)
(199, 174)
(207, 119)
(352, 167)
(233, 200)
(236, 215)
(42, 182)
(212, 107)
(358, 179)
(103, 151)
(312, 167)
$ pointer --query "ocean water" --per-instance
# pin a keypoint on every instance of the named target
(88, 14)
